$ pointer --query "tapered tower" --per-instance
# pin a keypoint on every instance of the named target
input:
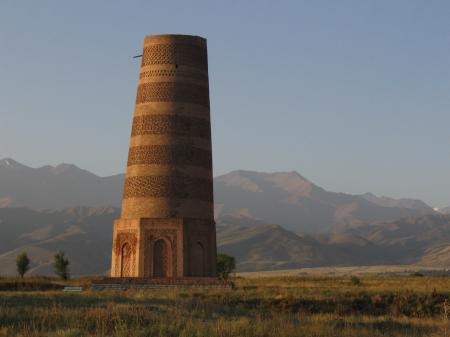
(167, 228)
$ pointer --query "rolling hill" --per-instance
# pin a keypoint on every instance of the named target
(85, 234)
(424, 239)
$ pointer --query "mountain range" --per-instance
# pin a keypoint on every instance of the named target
(56, 187)
(266, 220)
(284, 198)
(289, 199)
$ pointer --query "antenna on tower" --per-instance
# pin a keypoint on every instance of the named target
(137, 56)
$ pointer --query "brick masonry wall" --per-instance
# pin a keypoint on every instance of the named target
(169, 169)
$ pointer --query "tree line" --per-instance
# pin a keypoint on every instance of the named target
(60, 265)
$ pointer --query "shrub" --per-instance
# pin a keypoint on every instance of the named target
(22, 263)
(225, 265)
(61, 265)
(355, 280)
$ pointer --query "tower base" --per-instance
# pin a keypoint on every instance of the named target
(163, 248)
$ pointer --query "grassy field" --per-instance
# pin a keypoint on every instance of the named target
(270, 306)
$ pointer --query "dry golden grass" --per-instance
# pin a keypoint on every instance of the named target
(400, 270)
(278, 306)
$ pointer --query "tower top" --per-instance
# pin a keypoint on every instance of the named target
(174, 38)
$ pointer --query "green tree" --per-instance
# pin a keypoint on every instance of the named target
(225, 265)
(22, 263)
(61, 265)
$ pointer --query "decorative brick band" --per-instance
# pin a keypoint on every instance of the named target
(174, 72)
(171, 124)
(177, 54)
(172, 92)
(168, 187)
(169, 155)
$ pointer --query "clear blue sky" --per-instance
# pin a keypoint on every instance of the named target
(354, 95)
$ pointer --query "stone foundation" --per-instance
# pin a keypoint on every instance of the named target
(164, 248)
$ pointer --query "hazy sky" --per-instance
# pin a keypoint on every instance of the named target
(354, 95)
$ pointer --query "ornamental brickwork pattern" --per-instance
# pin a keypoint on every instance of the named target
(171, 124)
(173, 92)
(125, 246)
(126, 261)
(174, 72)
(169, 155)
(170, 259)
(180, 54)
(168, 187)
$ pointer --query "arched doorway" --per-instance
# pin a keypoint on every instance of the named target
(198, 260)
(161, 259)
(125, 256)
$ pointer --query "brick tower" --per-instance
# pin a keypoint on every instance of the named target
(166, 228)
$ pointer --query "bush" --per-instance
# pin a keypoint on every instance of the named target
(22, 263)
(61, 265)
(355, 280)
(226, 264)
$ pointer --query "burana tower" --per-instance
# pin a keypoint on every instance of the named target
(166, 228)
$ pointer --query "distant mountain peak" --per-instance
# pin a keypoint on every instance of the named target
(260, 173)
(64, 168)
(10, 163)
(257, 175)
(292, 183)
(7, 161)
(55, 187)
